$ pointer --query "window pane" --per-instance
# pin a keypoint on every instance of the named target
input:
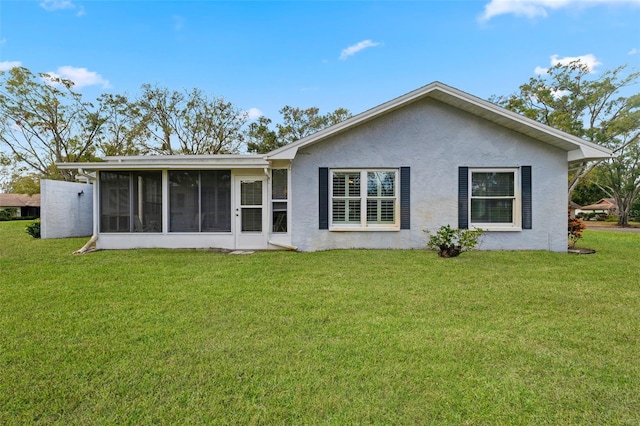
(354, 211)
(147, 201)
(381, 184)
(279, 184)
(280, 217)
(251, 219)
(491, 211)
(251, 193)
(380, 211)
(215, 193)
(346, 184)
(499, 184)
(184, 208)
(339, 211)
(354, 184)
(115, 213)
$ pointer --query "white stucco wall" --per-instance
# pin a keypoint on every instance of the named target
(63, 212)
(433, 139)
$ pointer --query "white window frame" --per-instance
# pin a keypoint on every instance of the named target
(516, 223)
(279, 200)
(363, 225)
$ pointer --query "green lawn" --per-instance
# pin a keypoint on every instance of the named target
(338, 337)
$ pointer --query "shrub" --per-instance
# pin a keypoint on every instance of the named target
(576, 226)
(33, 229)
(451, 242)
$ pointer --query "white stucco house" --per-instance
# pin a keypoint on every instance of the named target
(431, 157)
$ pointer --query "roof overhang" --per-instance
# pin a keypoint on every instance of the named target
(173, 162)
(577, 149)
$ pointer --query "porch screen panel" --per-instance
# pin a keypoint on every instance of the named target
(147, 201)
(115, 210)
(184, 201)
(215, 201)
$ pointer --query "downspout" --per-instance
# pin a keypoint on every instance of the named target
(285, 246)
(90, 245)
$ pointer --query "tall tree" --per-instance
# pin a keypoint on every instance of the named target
(43, 121)
(296, 124)
(124, 131)
(619, 178)
(570, 98)
(190, 122)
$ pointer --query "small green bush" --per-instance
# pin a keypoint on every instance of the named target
(451, 242)
(33, 229)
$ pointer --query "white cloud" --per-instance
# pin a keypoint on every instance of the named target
(537, 8)
(589, 60)
(7, 65)
(52, 5)
(81, 77)
(540, 70)
(254, 114)
(634, 51)
(353, 49)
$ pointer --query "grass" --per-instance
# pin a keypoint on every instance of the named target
(337, 337)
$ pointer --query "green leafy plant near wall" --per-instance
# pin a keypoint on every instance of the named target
(33, 229)
(451, 242)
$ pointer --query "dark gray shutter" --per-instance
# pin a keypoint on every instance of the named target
(323, 199)
(405, 198)
(525, 173)
(463, 197)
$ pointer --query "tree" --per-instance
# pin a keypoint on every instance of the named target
(189, 122)
(296, 124)
(43, 121)
(260, 138)
(619, 178)
(124, 131)
(570, 98)
(24, 184)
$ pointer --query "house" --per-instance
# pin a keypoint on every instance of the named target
(606, 206)
(431, 157)
(24, 204)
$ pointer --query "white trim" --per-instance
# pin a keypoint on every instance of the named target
(516, 224)
(364, 226)
(578, 149)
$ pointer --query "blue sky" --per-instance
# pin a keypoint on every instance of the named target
(262, 55)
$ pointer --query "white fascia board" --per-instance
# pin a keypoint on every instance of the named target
(173, 162)
(587, 153)
(578, 148)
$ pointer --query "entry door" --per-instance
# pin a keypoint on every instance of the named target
(251, 213)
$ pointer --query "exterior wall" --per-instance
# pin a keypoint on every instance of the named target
(64, 213)
(433, 139)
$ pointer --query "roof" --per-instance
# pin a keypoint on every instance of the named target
(172, 162)
(602, 204)
(19, 200)
(577, 149)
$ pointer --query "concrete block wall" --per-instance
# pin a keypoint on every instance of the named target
(66, 209)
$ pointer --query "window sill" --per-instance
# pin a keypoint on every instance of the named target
(498, 228)
(349, 229)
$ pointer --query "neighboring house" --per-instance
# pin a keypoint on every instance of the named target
(606, 206)
(24, 204)
(573, 207)
(432, 157)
